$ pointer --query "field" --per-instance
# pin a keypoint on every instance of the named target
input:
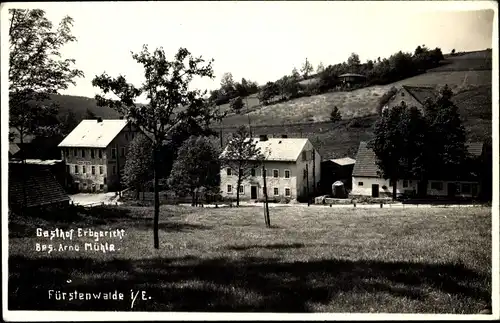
(316, 259)
(352, 104)
(459, 72)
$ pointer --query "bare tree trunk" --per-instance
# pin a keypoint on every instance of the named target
(266, 204)
(156, 199)
(238, 188)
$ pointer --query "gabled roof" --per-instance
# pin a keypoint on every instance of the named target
(343, 161)
(92, 133)
(42, 188)
(421, 93)
(366, 166)
(279, 149)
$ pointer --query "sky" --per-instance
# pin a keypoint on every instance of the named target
(260, 41)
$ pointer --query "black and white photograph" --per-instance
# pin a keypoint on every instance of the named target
(250, 160)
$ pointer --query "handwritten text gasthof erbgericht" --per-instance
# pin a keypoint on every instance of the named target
(70, 234)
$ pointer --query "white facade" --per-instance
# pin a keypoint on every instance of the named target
(363, 186)
(284, 179)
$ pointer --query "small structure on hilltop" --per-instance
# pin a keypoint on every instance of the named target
(350, 79)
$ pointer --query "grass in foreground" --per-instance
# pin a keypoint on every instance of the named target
(315, 259)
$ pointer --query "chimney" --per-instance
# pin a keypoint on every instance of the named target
(284, 136)
(263, 138)
(99, 119)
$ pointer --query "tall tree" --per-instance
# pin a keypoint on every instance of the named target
(295, 74)
(446, 135)
(196, 168)
(138, 169)
(241, 155)
(388, 145)
(306, 69)
(237, 104)
(320, 68)
(37, 70)
(353, 60)
(227, 84)
(171, 103)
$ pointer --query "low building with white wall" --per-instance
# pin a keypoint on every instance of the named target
(366, 179)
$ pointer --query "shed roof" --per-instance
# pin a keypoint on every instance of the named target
(366, 166)
(42, 188)
(92, 133)
(343, 161)
(279, 149)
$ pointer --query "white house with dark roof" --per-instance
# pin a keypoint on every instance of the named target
(366, 179)
(293, 166)
(95, 153)
(413, 96)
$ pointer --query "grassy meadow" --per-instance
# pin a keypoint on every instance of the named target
(313, 259)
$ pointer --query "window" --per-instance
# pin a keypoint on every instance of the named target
(252, 172)
(437, 186)
(114, 169)
(101, 170)
(74, 152)
(276, 191)
(228, 171)
(287, 191)
(304, 155)
(83, 169)
(83, 153)
(287, 173)
(229, 189)
(100, 153)
(93, 170)
(466, 188)
(360, 183)
(101, 187)
(104, 180)
(276, 173)
(76, 169)
(242, 189)
(92, 155)
(113, 152)
(405, 183)
(122, 152)
(84, 186)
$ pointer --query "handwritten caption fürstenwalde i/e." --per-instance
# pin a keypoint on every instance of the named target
(78, 239)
